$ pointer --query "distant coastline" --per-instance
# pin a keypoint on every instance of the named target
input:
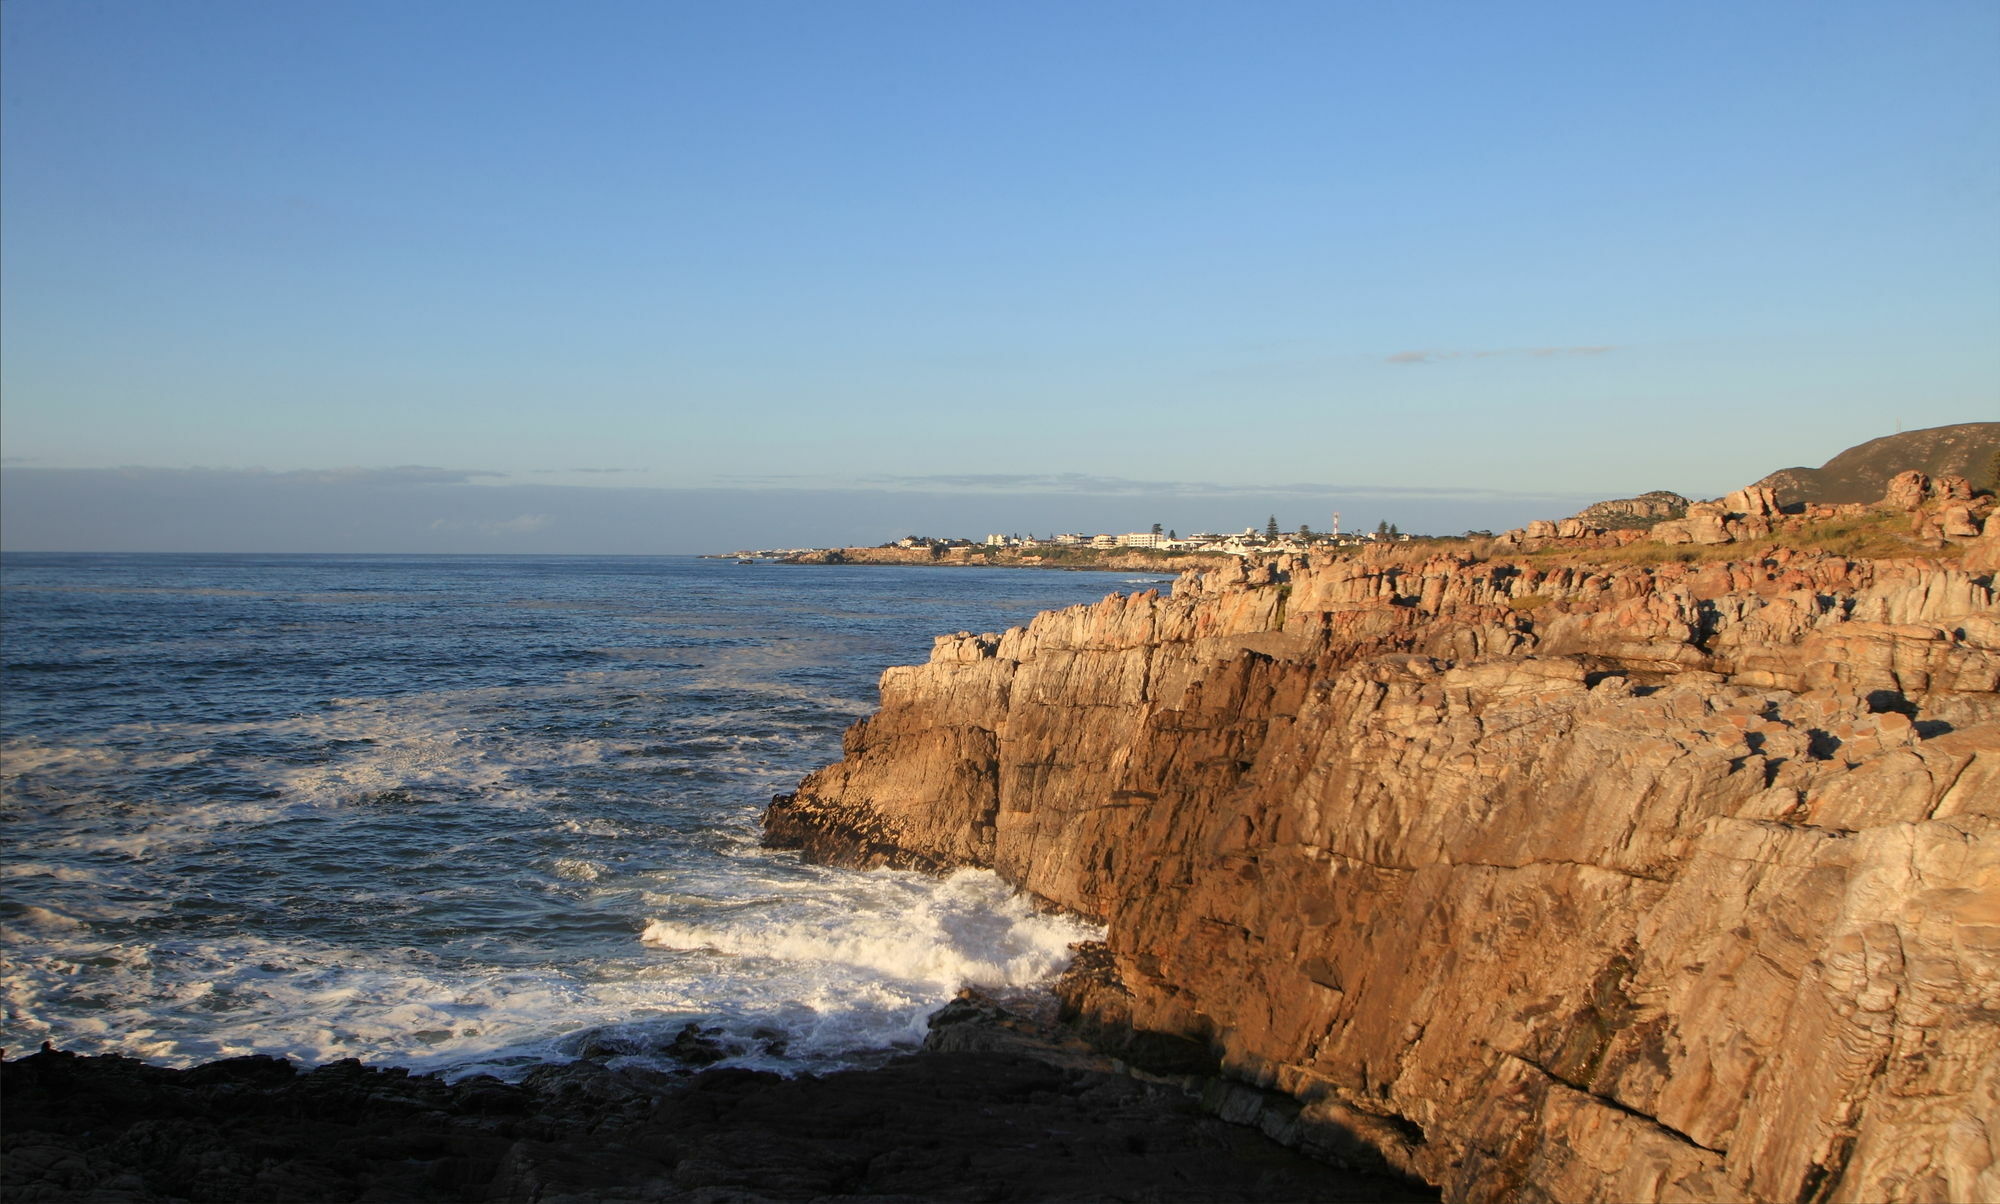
(976, 556)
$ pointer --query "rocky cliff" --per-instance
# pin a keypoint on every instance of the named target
(1536, 880)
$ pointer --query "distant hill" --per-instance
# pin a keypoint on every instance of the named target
(1641, 511)
(1859, 473)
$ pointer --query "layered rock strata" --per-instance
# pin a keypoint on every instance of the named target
(1619, 883)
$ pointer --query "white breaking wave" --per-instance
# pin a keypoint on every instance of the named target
(860, 963)
(834, 970)
(579, 869)
(196, 1002)
(967, 930)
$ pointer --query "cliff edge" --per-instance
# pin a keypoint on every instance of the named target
(1625, 881)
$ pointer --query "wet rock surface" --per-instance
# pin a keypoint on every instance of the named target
(999, 1108)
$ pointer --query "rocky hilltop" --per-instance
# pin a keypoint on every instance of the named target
(1642, 511)
(1536, 878)
(1860, 473)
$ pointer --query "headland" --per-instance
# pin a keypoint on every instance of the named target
(1576, 865)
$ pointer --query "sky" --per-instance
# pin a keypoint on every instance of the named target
(676, 276)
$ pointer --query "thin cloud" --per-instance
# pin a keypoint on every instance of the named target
(1029, 482)
(184, 510)
(1082, 483)
(385, 481)
(405, 474)
(520, 524)
(752, 480)
(1439, 357)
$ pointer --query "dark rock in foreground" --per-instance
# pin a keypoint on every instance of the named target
(992, 1112)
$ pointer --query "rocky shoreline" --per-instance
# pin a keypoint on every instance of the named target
(1001, 1105)
(1617, 881)
(1551, 877)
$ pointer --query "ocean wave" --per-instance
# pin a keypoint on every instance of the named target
(433, 837)
(579, 869)
(970, 929)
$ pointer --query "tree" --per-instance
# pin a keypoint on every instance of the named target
(1172, 535)
(1393, 532)
(1382, 528)
(1156, 528)
(1305, 533)
(1271, 527)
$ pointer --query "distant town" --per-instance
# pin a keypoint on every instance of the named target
(1251, 541)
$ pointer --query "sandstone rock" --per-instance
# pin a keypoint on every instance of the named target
(1983, 556)
(1906, 491)
(1957, 521)
(1591, 883)
(1753, 501)
(1952, 488)
(1704, 524)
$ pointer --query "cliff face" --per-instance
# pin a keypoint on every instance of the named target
(1626, 883)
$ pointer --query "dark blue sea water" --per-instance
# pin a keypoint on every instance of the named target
(466, 813)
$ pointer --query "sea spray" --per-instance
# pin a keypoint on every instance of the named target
(468, 813)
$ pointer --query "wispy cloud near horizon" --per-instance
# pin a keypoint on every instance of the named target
(520, 524)
(1438, 357)
(440, 510)
(402, 474)
(1063, 484)
(1083, 483)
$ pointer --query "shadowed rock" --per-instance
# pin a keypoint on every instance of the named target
(1003, 1116)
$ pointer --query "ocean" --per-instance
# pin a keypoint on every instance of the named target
(471, 814)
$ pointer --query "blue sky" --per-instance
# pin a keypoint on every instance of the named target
(657, 276)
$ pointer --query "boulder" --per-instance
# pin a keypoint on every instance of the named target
(1906, 491)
